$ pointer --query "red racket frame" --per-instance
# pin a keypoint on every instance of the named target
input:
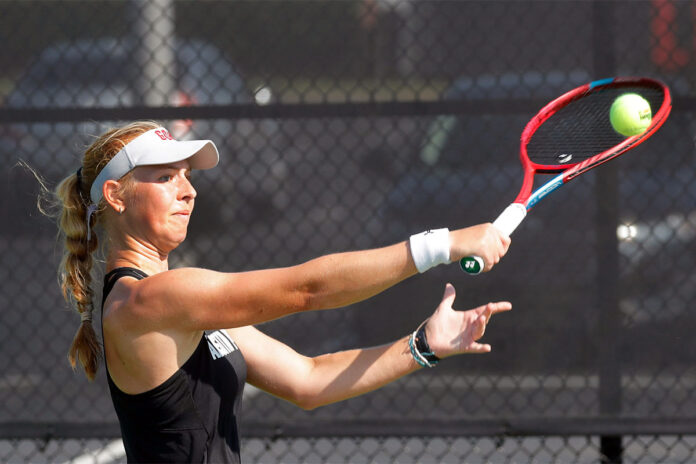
(513, 215)
(573, 170)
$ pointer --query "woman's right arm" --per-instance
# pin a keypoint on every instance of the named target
(198, 299)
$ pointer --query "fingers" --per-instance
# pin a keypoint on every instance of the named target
(449, 295)
(483, 240)
(495, 307)
(506, 243)
(454, 332)
(478, 326)
(500, 243)
(477, 348)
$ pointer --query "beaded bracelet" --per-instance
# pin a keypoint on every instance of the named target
(420, 350)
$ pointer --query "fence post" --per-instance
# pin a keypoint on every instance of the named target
(609, 324)
(606, 197)
(153, 26)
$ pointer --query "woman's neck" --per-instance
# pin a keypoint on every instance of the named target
(147, 261)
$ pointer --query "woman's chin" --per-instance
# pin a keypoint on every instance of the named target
(173, 242)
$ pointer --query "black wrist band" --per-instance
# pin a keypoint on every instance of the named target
(423, 347)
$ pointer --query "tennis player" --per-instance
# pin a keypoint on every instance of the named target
(179, 344)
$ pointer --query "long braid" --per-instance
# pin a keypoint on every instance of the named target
(76, 266)
(76, 273)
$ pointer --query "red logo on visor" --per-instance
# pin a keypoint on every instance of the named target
(164, 134)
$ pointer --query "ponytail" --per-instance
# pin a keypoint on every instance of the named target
(76, 271)
(77, 218)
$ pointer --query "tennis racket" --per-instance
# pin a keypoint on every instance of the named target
(571, 135)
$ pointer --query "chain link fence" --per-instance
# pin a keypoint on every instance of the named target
(353, 124)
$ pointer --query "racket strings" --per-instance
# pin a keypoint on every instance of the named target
(581, 129)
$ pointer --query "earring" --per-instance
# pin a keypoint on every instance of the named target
(120, 210)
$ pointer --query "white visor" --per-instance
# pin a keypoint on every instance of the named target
(154, 147)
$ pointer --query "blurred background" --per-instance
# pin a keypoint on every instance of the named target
(352, 124)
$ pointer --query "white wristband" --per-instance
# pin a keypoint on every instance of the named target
(430, 248)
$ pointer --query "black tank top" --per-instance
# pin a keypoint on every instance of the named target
(192, 416)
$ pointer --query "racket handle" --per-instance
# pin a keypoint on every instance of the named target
(507, 222)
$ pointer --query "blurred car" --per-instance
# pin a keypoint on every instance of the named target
(101, 73)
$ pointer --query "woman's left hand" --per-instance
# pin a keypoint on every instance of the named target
(451, 332)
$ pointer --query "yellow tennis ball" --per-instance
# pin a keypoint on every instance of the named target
(630, 114)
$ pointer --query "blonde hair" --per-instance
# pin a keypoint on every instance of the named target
(75, 271)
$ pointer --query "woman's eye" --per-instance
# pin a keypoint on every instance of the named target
(165, 178)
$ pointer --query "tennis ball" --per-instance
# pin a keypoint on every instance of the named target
(630, 114)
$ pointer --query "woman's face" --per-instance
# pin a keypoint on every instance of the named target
(159, 205)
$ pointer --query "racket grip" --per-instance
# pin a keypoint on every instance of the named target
(507, 222)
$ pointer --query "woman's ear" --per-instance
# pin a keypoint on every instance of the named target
(112, 192)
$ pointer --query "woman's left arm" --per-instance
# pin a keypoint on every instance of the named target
(310, 382)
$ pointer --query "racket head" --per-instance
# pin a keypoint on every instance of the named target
(573, 133)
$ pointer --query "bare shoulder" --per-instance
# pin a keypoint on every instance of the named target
(189, 299)
(150, 303)
(117, 307)
(141, 351)
(191, 279)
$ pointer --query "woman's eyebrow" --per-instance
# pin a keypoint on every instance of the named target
(171, 166)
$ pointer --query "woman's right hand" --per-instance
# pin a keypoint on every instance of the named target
(482, 240)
